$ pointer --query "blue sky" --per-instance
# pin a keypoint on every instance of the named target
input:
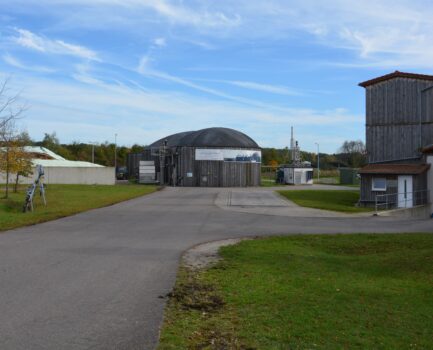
(145, 69)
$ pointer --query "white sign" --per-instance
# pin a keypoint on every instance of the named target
(229, 155)
(208, 154)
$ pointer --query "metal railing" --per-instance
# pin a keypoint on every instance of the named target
(401, 200)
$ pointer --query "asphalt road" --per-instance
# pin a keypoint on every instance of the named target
(93, 281)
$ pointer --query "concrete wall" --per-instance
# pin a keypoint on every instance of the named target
(429, 160)
(420, 212)
(67, 175)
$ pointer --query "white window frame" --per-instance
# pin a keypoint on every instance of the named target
(381, 189)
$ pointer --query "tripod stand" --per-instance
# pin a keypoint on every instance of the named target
(28, 204)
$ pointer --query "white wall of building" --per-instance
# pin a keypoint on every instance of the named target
(71, 175)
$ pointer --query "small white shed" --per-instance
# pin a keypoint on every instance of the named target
(298, 175)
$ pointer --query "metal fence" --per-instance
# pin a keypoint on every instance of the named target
(269, 174)
(401, 200)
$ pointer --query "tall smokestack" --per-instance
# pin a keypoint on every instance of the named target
(292, 141)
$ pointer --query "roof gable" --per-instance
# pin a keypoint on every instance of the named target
(396, 74)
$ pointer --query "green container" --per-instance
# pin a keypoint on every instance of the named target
(349, 176)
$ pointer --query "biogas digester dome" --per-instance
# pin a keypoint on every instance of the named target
(213, 157)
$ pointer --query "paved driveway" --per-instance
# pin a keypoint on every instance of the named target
(94, 280)
(268, 201)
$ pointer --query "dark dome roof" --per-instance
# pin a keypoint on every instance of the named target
(210, 137)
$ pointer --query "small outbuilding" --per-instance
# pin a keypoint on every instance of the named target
(212, 157)
(59, 170)
(297, 174)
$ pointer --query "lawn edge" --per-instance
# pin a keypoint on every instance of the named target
(5, 230)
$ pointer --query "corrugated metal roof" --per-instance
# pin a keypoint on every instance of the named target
(43, 150)
(46, 163)
(396, 74)
(394, 169)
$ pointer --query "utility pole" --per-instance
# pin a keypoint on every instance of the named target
(115, 152)
(93, 151)
(162, 159)
(292, 146)
(318, 162)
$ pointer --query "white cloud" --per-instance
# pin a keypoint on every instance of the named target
(160, 42)
(273, 89)
(82, 75)
(32, 41)
(187, 15)
(12, 61)
(75, 50)
(144, 64)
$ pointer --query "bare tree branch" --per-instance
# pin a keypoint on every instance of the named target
(10, 110)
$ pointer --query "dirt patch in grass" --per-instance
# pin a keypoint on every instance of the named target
(206, 254)
(202, 300)
(193, 294)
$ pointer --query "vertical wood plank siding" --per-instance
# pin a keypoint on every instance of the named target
(419, 183)
(393, 112)
(368, 195)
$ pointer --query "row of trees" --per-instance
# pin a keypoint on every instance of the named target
(351, 154)
(103, 153)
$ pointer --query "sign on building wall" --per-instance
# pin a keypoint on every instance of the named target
(208, 154)
(228, 155)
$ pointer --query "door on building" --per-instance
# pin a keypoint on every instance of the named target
(405, 192)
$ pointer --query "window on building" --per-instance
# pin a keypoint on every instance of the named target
(379, 184)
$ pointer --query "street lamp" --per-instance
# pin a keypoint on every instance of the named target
(318, 162)
(93, 150)
(115, 152)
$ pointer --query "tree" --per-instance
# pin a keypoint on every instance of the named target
(22, 161)
(10, 111)
(16, 161)
(353, 153)
(50, 140)
(25, 139)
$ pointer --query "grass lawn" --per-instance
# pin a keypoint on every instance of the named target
(64, 200)
(336, 200)
(308, 292)
(270, 183)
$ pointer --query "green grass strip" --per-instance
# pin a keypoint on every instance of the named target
(64, 200)
(335, 200)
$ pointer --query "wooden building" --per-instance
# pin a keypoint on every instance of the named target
(213, 157)
(399, 124)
